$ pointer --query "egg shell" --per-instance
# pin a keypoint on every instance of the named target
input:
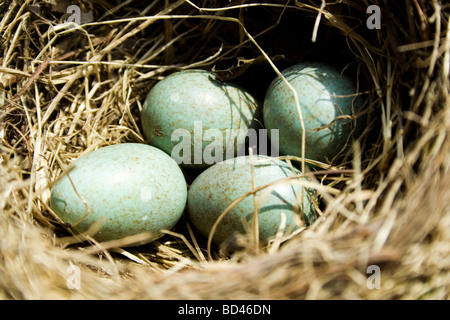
(323, 94)
(130, 188)
(218, 186)
(185, 105)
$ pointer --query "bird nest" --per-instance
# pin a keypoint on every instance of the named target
(73, 78)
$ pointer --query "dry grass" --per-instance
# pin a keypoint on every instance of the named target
(65, 92)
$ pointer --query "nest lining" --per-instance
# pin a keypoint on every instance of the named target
(66, 92)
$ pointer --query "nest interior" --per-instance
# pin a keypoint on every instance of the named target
(68, 89)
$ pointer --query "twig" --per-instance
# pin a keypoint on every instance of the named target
(31, 80)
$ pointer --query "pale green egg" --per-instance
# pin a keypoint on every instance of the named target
(126, 188)
(283, 207)
(198, 119)
(329, 103)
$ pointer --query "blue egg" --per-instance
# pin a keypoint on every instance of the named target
(126, 188)
(218, 186)
(328, 104)
(198, 119)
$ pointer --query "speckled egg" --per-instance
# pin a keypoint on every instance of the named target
(328, 102)
(128, 188)
(198, 119)
(218, 186)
